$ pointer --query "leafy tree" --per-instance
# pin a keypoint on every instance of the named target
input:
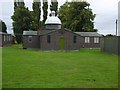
(54, 6)
(3, 26)
(17, 3)
(36, 14)
(45, 12)
(21, 21)
(77, 16)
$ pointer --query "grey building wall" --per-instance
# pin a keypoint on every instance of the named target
(31, 41)
(91, 44)
(40, 41)
(69, 42)
(110, 44)
(53, 42)
(55, 37)
(5, 40)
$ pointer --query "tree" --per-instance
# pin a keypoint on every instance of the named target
(77, 16)
(17, 3)
(4, 28)
(36, 14)
(45, 12)
(110, 35)
(21, 21)
(54, 6)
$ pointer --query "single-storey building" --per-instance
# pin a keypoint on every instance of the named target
(110, 44)
(54, 37)
(5, 39)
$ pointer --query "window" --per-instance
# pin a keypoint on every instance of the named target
(4, 38)
(30, 39)
(74, 39)
(9, 38)
(87, 39)
(96, 39)
(48, 38)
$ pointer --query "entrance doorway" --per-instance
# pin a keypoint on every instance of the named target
(61, 43)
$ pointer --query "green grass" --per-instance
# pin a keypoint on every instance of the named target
(37, 69)
(0, 68)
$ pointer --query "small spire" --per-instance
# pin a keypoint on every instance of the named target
(53, 13)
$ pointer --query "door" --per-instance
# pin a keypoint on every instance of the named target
(61, 43)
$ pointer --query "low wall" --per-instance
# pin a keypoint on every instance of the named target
(110, 44)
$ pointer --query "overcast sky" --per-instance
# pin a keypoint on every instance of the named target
(106, 13)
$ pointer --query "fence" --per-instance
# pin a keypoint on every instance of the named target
(110, 44)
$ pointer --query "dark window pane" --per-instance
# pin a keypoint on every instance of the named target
(48, 38)
(74, 39)
(30, 39)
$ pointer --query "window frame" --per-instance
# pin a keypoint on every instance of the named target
(30, 39)
(9, 38)
(74, 39)
(4, 38)
(87, 39)
(96, 39)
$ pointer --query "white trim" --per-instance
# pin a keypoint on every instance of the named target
(96, 39)
(87, 39)
(4, 38)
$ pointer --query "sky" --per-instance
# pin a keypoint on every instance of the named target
(106, 13)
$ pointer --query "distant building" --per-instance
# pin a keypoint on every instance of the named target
(5, 39)
(119, 18)
(110, 44)
(54, 37)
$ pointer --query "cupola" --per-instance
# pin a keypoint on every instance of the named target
(53, 22)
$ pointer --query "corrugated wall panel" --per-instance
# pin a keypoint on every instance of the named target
(110, 45)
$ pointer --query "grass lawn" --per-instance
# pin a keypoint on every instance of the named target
(36, 69)
(0, 68)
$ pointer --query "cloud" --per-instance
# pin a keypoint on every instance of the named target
(106, 13)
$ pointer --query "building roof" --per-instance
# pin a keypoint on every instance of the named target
(3, 33)
(88, 34)
(44, 32)
(53, 19)
(30, 33)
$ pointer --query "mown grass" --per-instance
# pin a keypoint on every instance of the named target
(37, 69)
(0, 68)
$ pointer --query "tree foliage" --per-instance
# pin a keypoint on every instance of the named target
(21, 21)
(17, 3)
(54, 6)
(45, 12)
(36, 14)
(77, 16)
(3, 26)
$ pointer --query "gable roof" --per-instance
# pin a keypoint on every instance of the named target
(95, 34)
(44, 32)
(89, 34)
